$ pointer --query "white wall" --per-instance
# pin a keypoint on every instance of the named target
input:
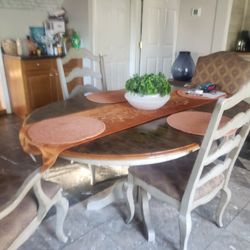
(206, 33)
(78, 14)
(247, 20)
(239, 21)
(221, 25)
(17, 16)
(14, 23)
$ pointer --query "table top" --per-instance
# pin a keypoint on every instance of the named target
(130, 134)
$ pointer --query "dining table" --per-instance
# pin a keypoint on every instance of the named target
(126, 137)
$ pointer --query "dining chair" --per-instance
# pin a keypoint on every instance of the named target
(194, 180)
(23, 206)
(226, 69)
(80, 71)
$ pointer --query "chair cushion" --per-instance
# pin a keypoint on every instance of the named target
(172, 177)
(13, 224)
(225, 69)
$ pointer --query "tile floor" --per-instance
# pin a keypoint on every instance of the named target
(105, 229)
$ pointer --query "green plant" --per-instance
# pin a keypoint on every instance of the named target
(148, 84)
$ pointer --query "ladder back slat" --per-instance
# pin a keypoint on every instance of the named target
(223, 149)
(80, 72)
(238, 121)
(215, 171)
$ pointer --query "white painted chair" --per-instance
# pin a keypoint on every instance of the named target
(22, 211)
(193, 180)
(83, 65)
(89, 68)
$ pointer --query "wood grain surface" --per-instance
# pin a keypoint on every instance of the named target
(117, 117)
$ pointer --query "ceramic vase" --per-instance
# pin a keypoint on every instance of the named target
(183, 67)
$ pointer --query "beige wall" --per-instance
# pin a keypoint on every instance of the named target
(17, 16)
(15, 23)
(247, 21)
(236, 23)
(78, 14)
(206, 33)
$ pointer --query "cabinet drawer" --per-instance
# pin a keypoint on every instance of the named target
(43, 64)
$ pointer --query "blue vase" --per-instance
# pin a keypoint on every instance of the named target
(183, 67)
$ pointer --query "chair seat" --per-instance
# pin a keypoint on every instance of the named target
(172, 177)
(12, 225)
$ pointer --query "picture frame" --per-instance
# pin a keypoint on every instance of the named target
(37, 34)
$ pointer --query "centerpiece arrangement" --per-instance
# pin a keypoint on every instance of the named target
(147, 92)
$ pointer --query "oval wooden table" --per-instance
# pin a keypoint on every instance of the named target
(132, 137)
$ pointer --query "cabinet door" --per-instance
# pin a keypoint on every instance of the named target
(41, 88)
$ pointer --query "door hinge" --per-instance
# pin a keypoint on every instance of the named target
(140, 44)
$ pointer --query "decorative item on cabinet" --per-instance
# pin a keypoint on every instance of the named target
(183, 67)
(9, 47)
(22, 47)
(35, 83)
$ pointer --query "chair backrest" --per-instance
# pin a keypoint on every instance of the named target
(229, 140)
(226, 69)
(80, 67)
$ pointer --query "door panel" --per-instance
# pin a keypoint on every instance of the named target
(112, 39)
(159, 28)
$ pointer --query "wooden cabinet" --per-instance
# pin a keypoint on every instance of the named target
(32, 83)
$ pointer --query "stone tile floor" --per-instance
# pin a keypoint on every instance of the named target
(105, 229)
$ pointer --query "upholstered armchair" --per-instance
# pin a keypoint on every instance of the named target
(226, 69)
(23, 206)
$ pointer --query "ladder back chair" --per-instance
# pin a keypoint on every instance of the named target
(80, 71)
(24, 204)
(193, 180)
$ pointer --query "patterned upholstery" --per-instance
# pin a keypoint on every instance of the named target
(226, 69)
(13, 224)
(171, 177)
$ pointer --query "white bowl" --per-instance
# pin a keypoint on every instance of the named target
(146, 102)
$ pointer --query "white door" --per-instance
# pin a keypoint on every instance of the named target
(111, 37)
(159, 30)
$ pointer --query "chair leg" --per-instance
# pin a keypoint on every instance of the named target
(62, 207)
(92, 174)
(144, 205)
(185, 224)
(225, 198)
(130, 202)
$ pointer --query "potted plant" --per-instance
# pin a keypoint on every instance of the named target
(147, 92)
